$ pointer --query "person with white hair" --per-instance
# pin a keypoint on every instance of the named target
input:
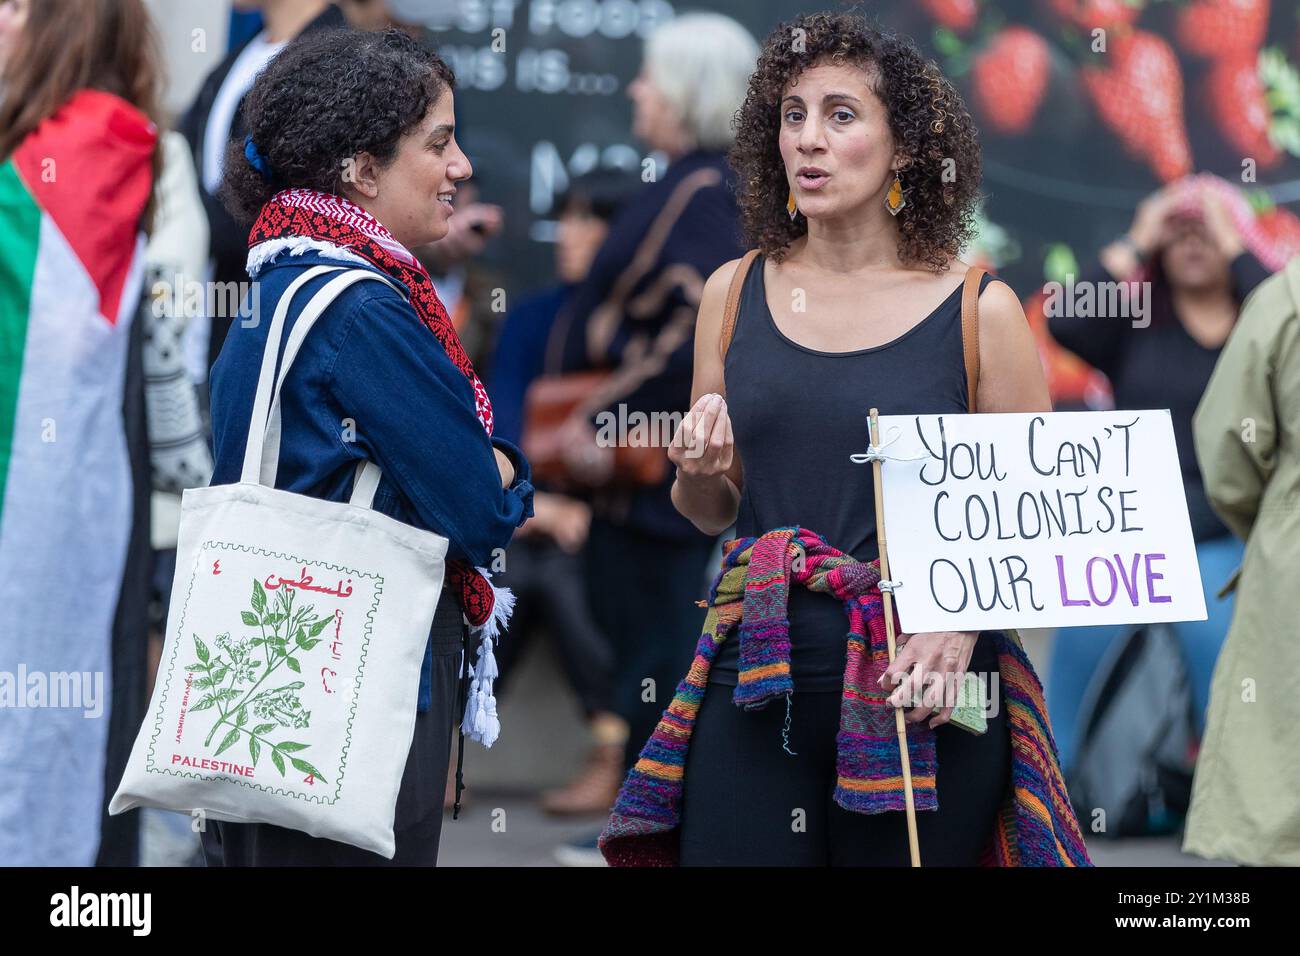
(635, 315)
(692, 81)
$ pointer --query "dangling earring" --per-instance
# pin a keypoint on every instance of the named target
(894, 200)
(790, 206)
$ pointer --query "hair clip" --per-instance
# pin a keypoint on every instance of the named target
(256, 158)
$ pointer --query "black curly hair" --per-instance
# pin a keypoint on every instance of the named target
(929, 122)
(326, 97)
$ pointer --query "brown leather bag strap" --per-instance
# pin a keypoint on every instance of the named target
(733, 301)
(970, 331)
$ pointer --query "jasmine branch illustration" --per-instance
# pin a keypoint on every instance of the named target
(286, 630)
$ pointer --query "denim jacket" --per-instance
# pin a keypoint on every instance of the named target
(371, 382)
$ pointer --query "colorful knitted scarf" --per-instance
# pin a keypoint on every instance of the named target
(298, 220)
(1035, 826)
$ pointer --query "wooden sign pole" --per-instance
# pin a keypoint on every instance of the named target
(887, 599)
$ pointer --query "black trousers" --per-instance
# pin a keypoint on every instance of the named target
(643, 591)
(417, 819)
(747, 802)
(550, 593)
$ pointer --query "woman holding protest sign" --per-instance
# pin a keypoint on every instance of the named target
(878, 158)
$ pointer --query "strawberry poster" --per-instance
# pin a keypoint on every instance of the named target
(1087, 107)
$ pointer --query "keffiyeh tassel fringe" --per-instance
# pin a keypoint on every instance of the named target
(480, 721)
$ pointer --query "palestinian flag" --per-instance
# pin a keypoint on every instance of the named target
(71, 265)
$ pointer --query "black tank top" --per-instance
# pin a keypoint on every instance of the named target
(797, 415)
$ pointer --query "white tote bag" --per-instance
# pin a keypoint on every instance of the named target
(287, 688)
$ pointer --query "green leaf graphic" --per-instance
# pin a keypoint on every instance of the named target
(228, 740)
(293, 629)
(304, 767)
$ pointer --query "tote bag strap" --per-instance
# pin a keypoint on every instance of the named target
(251, 471)
(314, 310)
(261, 454)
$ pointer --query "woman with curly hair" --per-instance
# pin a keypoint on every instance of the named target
(853, 302)
(351, 161)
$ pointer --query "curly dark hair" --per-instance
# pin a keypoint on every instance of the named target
(328, 96)
(927, 117)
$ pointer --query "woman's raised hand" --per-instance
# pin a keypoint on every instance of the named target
(1220, 225)
(1148, 228)
(703, 444)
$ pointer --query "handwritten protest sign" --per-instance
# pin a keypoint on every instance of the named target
(1037, 520)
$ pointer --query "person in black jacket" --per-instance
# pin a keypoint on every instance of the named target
(1185, 245)
(215, 118)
